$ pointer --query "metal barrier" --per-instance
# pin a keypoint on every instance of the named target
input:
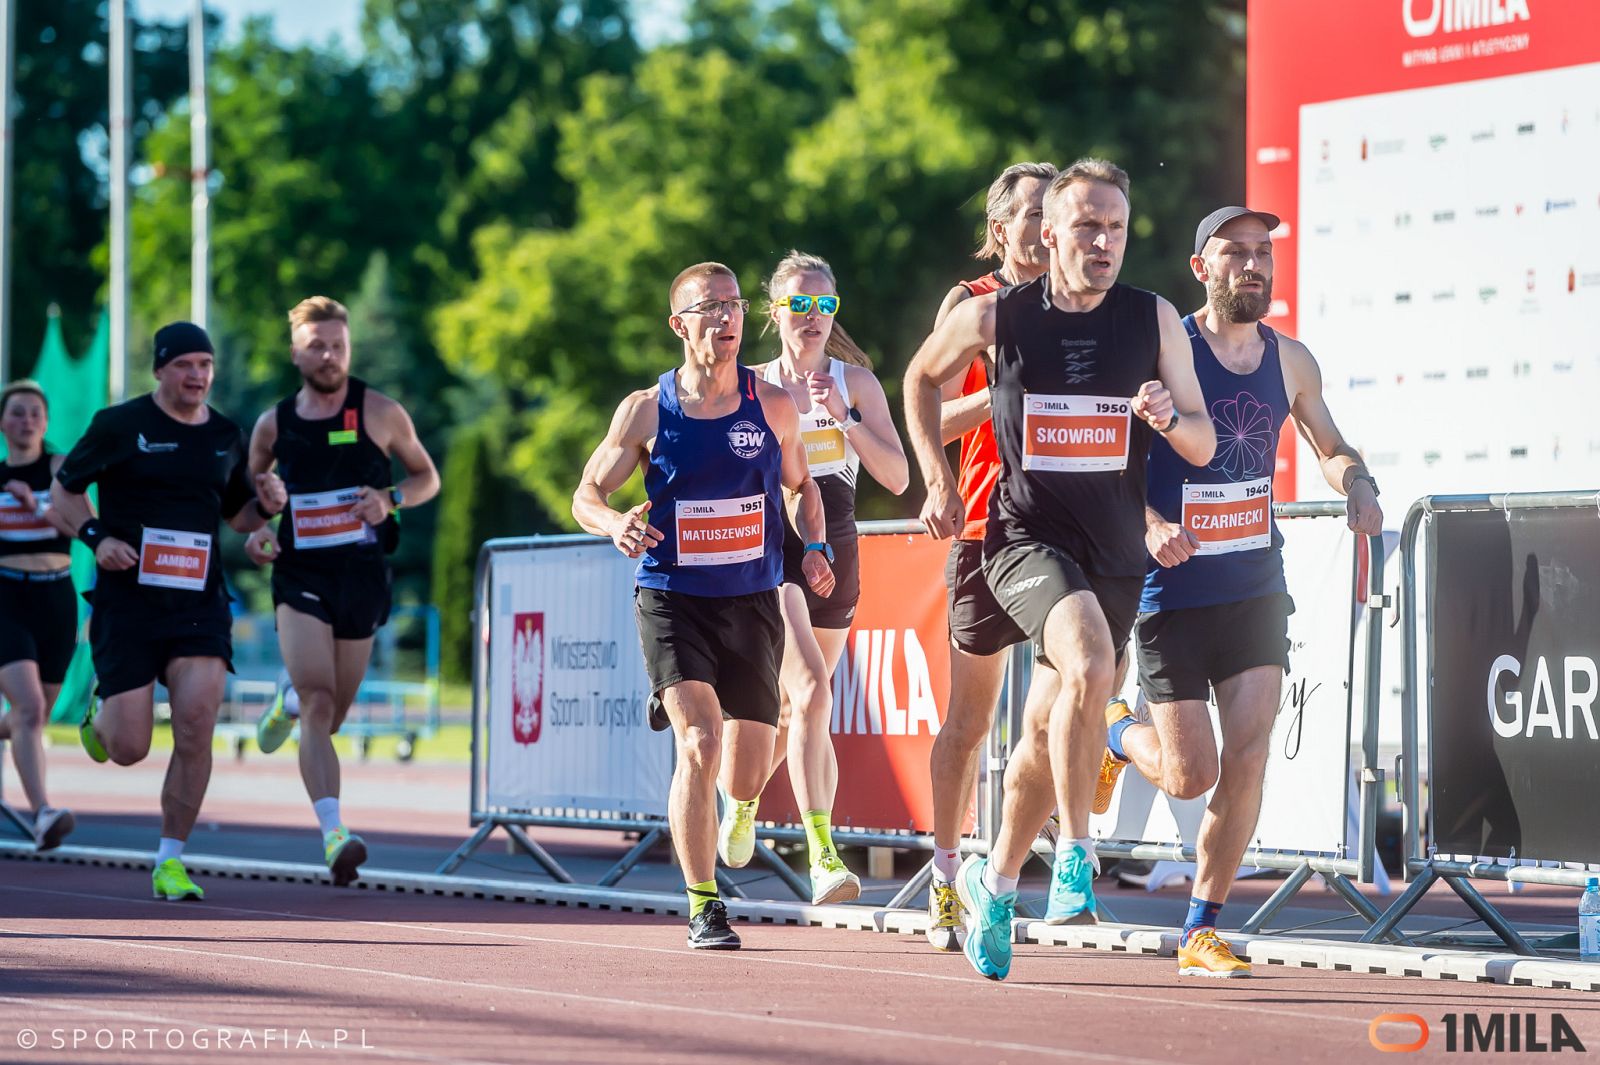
(1426, 866)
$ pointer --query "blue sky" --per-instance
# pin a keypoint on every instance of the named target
(315, 21)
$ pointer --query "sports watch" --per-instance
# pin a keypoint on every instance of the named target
(397, 498)
(826, 549)
(852, 418)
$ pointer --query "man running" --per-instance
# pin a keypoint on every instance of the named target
(1082, 372)
(38, 608)
(169, 467)
(980, 631)
(333, 443)
(715, 443)
(1214, 615)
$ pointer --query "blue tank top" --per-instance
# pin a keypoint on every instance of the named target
(714, 486)
(1227, 503)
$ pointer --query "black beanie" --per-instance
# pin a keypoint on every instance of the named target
(180, 338)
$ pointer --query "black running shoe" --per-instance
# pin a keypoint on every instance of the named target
(709, 929)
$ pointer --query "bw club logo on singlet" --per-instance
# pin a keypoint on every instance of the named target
(747, 439)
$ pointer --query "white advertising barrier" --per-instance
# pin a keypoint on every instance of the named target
(567, 723)
(1303, 808)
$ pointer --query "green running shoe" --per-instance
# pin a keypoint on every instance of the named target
(91, 742)
(274, 727)
(344, 854)
(171, 881)
(988, 942)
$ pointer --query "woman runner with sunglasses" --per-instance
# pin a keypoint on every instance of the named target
(845, 423)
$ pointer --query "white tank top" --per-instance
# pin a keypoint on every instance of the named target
(828, 449)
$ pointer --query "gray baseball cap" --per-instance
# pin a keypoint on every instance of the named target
(1222, 216)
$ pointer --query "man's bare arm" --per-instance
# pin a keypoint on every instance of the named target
(964, 335)
(1194, 438)
(608, 469)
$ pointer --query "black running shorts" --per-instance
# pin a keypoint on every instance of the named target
(132, 643)
(734, 644)
(352, 597)
(978, 625)
(38, 621)
(836, 611)
(1029, 578)
(1183, 653)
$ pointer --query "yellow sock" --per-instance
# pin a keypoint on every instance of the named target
(819, 834)
(701, 895)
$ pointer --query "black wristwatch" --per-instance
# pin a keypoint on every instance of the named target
(826, 549)
(1173, 424)
(265, 516)
(1364, 476)
(397, 499)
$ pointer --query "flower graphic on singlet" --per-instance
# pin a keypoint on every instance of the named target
(1246, 437)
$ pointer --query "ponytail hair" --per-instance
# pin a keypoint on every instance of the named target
(840, 345)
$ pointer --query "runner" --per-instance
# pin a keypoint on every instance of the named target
(333, 443)
(715, 442)
(169, 467)
(1078, 390)
(38, 609)
(844, 423)
(980, 632)
(1214, 615)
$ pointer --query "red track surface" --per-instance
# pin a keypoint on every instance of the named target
(431, 979)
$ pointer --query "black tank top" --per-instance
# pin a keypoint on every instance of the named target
(1072, 454)
(22, 532)
(322, 463)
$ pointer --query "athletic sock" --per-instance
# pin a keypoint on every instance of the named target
(946, 863)
(701, 895)
(819, 834)
(327, 811)
(1085, 843)
(168, 847)
(291, 702)
(1202, 914)
(995, 884)
(1114, 735)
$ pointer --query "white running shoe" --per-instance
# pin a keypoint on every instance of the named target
(946, 917)
(736, 835)
(50, 827)
(832, 882)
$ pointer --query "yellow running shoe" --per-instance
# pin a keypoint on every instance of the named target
(275, 725)
(1207, 955)
(946, 917)
(1111, 766)
(171, 882)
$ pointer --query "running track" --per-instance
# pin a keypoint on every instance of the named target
(434, 980)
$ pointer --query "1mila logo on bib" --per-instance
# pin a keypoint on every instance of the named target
(1075, 434)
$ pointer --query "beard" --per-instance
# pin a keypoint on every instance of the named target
(1240, 307)
(321, 381)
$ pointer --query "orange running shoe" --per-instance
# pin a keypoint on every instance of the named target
(1207, 955)
(1111, 766)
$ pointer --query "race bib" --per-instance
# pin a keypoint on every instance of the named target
(19, 524)
(1229, 517)
(325, 519)
(719, 532)
(172, 559)
(825, 452)
(1075, 434)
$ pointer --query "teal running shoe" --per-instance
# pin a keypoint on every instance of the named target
(1072, 889)
(988, 945)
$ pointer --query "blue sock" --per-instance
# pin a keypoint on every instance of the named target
(1202, 914)
(1114, 735)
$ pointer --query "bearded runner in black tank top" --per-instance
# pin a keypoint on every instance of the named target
(331, 563)
(1072, 453)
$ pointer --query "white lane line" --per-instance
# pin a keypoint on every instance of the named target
(92, 1009)
(590, 1000)
(973, 982)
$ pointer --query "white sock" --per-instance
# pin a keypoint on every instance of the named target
(291, 702)
(168, 848)
(1065, 845)
(995, 884)
(327, 811)
(945, 864)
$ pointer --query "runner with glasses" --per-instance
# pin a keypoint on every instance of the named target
(722, 455)
(845, 424)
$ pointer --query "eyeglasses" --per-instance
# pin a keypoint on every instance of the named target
(800, 303)
(717, 308)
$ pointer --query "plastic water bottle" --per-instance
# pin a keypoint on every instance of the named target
(1589, 921)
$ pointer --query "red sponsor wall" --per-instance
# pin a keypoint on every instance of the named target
(890, 691)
